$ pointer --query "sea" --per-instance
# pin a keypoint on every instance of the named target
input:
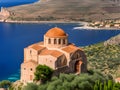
(10, 3)
(14, 37)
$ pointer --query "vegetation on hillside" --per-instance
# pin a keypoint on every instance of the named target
(104, 58)
(70, 82)
(109, 85)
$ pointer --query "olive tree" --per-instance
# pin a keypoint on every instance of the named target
(43, 73)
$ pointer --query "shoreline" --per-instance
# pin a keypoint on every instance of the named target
(11, 21)
(83, 25)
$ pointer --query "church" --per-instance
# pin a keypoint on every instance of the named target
(56, 52)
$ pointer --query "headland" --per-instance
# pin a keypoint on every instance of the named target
(69, 11)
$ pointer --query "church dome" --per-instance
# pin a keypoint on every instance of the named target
(55, 32)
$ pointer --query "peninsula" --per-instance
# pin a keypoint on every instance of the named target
(66, 10)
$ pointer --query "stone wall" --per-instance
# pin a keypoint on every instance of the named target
(64, 69)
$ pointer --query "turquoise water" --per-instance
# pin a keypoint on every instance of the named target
(15, 37)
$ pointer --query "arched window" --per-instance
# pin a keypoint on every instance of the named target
(49, 41)
(59, 41)
(63, 41)
(31, 69)
(55, 41)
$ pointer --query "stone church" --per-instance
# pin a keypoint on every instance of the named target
(56, 52)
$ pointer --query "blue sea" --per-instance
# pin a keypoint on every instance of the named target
(15, 37)
(9, 3)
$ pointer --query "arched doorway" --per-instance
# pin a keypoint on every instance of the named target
(78, 66)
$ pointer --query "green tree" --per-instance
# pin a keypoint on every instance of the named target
(101, 86)
(110, 84)
(43, 73)
(95, 87)
(5, 84)
(30, 86)
(116, 86)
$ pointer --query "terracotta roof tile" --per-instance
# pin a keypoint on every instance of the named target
(70, 48)
(53, 53)
(40, 43)
(56, 53)
(37, 47)
(55, 32)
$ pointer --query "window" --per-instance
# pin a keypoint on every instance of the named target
(31, 69)
(55, 41)
(30, 51)
(59, 41)
(63, 41)
(49, 41)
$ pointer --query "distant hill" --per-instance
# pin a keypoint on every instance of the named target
(67, 10)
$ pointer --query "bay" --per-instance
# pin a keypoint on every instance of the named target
(14, 37)
(10, 3)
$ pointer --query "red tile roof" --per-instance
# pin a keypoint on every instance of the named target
(37, 47)
(70, 48)
(55, 32)
(53, 53)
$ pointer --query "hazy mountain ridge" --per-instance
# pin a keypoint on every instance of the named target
(73, 10)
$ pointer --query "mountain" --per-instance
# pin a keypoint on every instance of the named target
(67, 10)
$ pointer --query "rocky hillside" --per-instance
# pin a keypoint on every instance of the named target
(104, 58)
(67, 10)
(113, 41)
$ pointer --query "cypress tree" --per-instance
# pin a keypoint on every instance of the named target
(101, 86)
(110, 84)
(95, 87)
(105, 86)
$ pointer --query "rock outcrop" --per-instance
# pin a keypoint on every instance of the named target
(4, 14)
(113, 41)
